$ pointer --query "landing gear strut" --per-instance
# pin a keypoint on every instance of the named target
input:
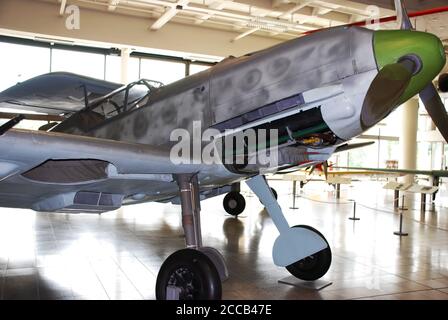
(274, 193)
(302, 250)
(194, 273)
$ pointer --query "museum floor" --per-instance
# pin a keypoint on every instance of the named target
(117, 255)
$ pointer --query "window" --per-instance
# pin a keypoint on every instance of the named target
(113, 69)
(365, 156)
(163, 71)
(19, 63)
(424, 152)
(86, 64)
(196, 68)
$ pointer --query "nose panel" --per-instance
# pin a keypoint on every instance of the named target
(391, 45)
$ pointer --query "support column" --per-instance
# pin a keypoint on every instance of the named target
(125, 55)
(408, 138)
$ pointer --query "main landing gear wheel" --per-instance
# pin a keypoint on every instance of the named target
(234, 203)
(274, 193)
(188, 274)
(312, 267)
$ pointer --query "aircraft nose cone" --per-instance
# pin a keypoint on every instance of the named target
(407, 61)
(391, 46)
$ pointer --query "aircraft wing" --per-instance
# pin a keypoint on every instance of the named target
(55, 93)
(401, 171)
(48, 171)
(359, 172)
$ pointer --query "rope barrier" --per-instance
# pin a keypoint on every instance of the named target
(376, 209)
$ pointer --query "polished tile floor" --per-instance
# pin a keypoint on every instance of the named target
(117, 255)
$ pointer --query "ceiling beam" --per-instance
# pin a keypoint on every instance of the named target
(245, 34)
(113, 5)
(217, 5)
(169, 14)
(17, 18)
(296, 8)
(62, 7)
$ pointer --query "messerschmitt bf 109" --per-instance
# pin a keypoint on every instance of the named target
(316, 92)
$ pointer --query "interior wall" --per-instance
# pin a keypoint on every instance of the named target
(32, 17)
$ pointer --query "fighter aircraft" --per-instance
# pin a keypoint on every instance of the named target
(315, 92)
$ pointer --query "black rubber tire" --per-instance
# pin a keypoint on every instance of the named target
(313, 267)
(234, 203)
(275, 193)
(193, 272)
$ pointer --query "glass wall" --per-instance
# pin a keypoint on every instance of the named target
(164, 71)
(113, 69)
(86, 64)
(19, 63)
(196, 68)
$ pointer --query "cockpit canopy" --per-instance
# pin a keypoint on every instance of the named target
(132, 96)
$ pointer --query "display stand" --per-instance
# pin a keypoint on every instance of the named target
(337, 181)
(424, 191)
(397, 187)
(310, 285)
(294, 188)
(294, 178)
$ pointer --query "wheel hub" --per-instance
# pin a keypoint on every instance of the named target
(184, 279)
(233, 204)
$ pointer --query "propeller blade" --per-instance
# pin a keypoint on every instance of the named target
(351, 146)
(402, 16)
(436, 109)
(325, 166)
(385, 92)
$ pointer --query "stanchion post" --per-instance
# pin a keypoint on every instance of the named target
(400, 232)
(354, 218)
(338, 190)
(294, 189)
(423, 202)
(396, 198)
